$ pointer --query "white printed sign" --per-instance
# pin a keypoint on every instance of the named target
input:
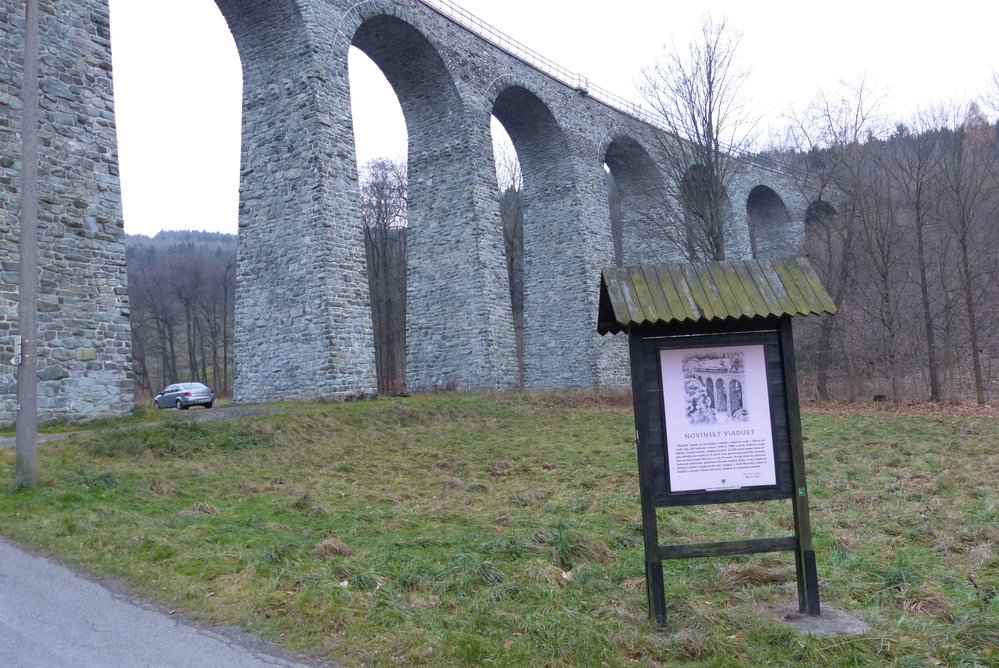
(718, 432)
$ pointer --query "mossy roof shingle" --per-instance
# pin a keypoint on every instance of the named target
(710, 291)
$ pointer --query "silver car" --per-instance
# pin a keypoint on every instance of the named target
(185, 395)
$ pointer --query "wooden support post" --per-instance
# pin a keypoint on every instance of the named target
(655, 586)
(808, 586)
(26, 439)
(646, 397)
(811, 585)
(656, 590)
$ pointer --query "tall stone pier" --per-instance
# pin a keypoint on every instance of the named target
(84, 338)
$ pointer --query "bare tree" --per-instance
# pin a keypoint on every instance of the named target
(696, 94)
(881, 275)
(186, 279)
(970, 172)
(508, 171)
(915, 163)
(909, 251)
(383, 212)
(181, 279)
(992, 96)
(161, 313)
(510, 183)
(228, 307)
(512, 217)
(214, 313)
(831, 134)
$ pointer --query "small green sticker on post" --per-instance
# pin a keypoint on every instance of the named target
(802, 491)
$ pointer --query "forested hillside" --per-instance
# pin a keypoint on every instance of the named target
(909, 249)
(181, 289)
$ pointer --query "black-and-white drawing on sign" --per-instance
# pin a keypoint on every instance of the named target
(714, 384)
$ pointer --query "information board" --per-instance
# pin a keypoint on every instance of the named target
(717, 420)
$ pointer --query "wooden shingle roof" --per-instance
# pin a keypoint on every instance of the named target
(689, 293)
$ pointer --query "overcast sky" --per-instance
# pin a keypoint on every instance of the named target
(177, 75)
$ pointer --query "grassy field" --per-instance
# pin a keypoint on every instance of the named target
(505, 530)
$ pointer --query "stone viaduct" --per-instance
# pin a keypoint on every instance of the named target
(303, 321)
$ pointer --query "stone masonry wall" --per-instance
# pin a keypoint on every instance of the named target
(84, 338)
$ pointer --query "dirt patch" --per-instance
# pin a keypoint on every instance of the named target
(832, 622)
(940, 408)
(220, 413)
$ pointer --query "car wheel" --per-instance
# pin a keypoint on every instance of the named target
(180, 406)
(209, 404)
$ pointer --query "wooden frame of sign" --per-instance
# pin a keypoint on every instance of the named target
(738, 441)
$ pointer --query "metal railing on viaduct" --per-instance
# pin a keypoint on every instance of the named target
(501, 40)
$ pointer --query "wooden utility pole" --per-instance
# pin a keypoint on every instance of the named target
(26, 441)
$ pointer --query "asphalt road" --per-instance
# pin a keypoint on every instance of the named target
(51, 617)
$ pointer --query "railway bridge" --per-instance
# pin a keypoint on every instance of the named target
(303, 323)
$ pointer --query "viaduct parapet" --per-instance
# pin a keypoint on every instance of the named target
(303, 324)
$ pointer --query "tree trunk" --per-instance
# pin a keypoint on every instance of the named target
(970, 307)
(924, 293)
(822, 357)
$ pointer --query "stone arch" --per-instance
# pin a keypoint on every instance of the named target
(303, 320)
(263, 30)
(721, 396)
(454, 266)
(700, 193)
(302, 284)
(637, 204)
(540, 141)
(421, 80)
(819, 216)
(736, 400)
(424, 92)
(709, 387)
(768, 220)
(549, 197)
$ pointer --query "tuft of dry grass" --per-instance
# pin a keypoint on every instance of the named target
(332, 547)
(202, 508)
(545, 573)
(753, 575)
(980, 554)
(929, 603)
